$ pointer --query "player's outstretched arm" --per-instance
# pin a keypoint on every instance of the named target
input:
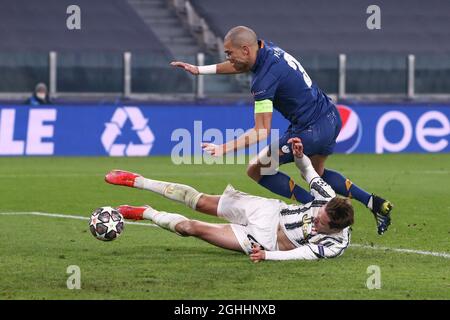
(305, 252)
(221, 68)
(261, 130)
(227, 68)
(258, 254)
(186, 66)
(302, 161)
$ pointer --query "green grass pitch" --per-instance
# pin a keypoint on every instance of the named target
(151, 263)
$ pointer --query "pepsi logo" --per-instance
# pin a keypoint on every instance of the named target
(351, 131)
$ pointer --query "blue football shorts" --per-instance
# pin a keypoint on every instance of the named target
(318, 138)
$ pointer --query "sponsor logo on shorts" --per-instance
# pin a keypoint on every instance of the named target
(285, 149)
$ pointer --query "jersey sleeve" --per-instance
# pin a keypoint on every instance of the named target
(329, 248)
(321, 190)
(263, 91)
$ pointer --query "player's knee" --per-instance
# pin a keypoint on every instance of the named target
(184, 228)
(254, 171)
(204, 203)
(188, 228)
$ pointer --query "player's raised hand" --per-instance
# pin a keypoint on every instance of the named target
(186, 66)
(257, 254)
(213, 149)
(297, 147)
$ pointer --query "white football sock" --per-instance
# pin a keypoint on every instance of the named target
(163, 219)
(174, 191)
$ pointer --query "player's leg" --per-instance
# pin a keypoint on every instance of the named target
(380, 207)
(262, 170)
(338, 182)
(220, 235)
(174, 191)
(206, 204)
(178, 192)
(326, 135)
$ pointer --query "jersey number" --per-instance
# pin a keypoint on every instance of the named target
(294, 64)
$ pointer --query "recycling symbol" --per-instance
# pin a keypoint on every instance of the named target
(113, 130)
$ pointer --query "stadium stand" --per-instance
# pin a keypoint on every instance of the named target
(317, 26)
(160, 17)
(157, 32)
(318, 30)
(89, 59)
(107, 26)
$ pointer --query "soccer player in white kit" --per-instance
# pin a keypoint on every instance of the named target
(265, 229)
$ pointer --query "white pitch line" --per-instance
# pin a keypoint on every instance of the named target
(427, 253)
(67, 216)
(45, 175)
(353, 245)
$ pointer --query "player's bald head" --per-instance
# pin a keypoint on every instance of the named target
(241, 48)
(241, 36)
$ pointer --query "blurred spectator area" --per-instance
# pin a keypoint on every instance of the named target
(155, 32)
(89, 59)
(316, 31)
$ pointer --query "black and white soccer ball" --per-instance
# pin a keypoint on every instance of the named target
(106, 223)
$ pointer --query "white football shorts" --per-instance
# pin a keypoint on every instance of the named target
(252, 218)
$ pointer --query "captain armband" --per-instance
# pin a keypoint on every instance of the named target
(263, 106)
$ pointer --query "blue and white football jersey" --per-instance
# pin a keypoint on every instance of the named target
(279, 78)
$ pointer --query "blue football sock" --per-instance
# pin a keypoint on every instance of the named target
(345, 187)
(283, 185)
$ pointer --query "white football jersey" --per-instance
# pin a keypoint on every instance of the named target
(297, 224)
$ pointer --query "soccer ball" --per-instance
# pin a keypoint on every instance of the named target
(106, 223)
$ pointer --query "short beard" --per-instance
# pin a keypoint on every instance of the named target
(242, 67)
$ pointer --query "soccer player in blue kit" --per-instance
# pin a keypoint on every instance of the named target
(280, 82)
